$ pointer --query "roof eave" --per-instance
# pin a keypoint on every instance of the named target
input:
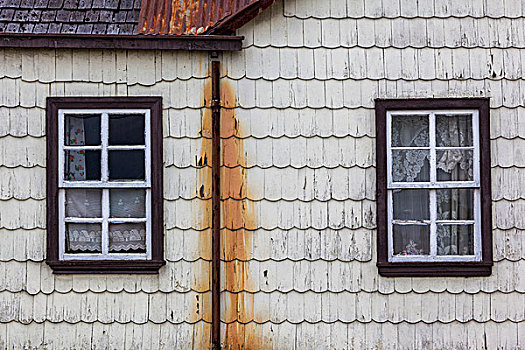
(127, 42)
(233, 22)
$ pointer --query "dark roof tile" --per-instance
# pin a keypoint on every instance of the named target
(111, 4)
(120, 17)
(40, 28)
(105, 16)
(76, 16)
(85, 28)
(48, 16)
(68, 28)
(34, 15)
(71, 4)
(55, 4)
(26, 27)
(133, 17)
(62, 16)
(27, 4)
(68, 16)
(85, 4)
(99, 28)
(13, 28)
(10, 3)
(7, 14)
(126, 4)
(21, 16)
(41, 4)
(98, 4)
(54, 27)
(112, 29)
(91, 16)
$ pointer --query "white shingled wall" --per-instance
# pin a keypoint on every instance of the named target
(298, 176)
(305, 85)
(39, 310)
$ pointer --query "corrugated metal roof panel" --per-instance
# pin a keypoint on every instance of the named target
(178, 17)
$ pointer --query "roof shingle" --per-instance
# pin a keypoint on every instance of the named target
(69, 16)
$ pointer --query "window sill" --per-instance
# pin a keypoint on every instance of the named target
(445, 269)
(106, 267)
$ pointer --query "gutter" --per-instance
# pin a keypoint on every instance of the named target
(125, 42)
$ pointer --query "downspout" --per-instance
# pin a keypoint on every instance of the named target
(216, 202)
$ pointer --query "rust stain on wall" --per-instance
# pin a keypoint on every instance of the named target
(237, 216)
(203, 216)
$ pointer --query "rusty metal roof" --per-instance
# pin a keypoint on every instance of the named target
(178, 17)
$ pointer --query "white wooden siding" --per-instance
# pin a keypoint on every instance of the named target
(303, 274)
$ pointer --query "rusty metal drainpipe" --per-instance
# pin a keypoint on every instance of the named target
(216, 203)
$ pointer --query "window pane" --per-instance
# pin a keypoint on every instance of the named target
(126, 129)
(411, 205)
(411, 240)
(455, 239)
(410, 165)
(83, 238)
(455, 204)
(82, 130)
(127, 238)
(81, 203)
(455, 165)
(127, 203)
(454, 130)
(126, 165)
(81, 165)
(410, 131)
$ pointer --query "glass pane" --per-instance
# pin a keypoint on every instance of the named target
(81, 203)
(410, 131)
(83, 238)
(455, 165)
(454, 130)
(455, 239)
(411, 240)
(411, 205)
(126, 165)
(127, 203)
(455, 204)
(411, 165)
(126, 129)
(81, 165)
(82, 130)
(127, 238)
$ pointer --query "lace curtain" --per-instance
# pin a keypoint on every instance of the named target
(414, 165)
(86, 203)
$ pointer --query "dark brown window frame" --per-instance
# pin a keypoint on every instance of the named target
(433, 269)
(157, 214)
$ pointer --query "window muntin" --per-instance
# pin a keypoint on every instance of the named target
(104, 165)
(433, 185)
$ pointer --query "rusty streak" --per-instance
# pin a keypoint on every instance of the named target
(216, 204)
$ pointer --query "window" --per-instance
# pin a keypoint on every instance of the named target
(104, 185)
(433, 187)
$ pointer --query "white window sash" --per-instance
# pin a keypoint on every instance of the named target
(433, 185)
(105, 185)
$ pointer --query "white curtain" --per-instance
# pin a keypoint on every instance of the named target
(413, 165)
(86, 203)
